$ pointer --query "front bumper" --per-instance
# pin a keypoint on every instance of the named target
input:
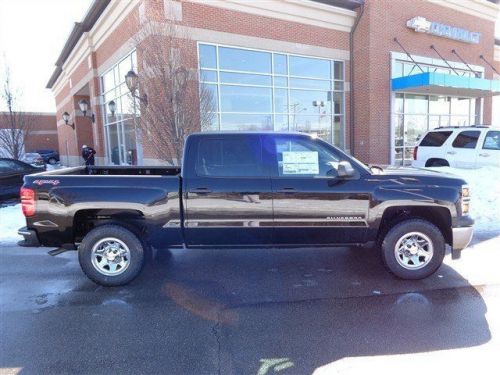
(461, 237)
(30, 237)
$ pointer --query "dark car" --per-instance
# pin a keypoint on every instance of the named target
(49, 156)
(11, 176)
(247, 190)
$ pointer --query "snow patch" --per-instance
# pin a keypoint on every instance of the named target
(11, 219)
(484, 186)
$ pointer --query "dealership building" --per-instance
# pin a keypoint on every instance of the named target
(368, 76)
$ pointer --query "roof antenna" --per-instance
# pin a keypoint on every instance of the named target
(442, 58)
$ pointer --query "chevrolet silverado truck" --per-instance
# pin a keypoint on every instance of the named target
(244, 190)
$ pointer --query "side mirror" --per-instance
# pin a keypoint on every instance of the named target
(345, 169)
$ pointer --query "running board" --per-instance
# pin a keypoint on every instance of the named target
(62, 249)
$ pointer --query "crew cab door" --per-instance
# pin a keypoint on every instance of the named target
(227, 192)
(312, 204)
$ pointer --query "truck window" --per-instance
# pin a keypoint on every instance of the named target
(304, 158)
(435, 139)
(229, 157)
(492, 140)
(466, 139)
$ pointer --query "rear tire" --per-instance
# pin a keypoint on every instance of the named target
(111, 255)
(413, 249)
(52, 161)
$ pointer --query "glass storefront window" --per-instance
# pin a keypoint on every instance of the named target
(414, 114)
(120, 130)
(261, 90)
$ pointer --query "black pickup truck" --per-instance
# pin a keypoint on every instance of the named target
(246, 190)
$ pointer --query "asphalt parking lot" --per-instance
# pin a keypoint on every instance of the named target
(299, 311)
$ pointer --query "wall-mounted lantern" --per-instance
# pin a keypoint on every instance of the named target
(84, 107)
(132, 82)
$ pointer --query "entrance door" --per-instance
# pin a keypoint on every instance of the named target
(122, 144)
(311, 204)
(227, 193)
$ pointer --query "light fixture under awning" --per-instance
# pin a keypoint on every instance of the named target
(446, 84)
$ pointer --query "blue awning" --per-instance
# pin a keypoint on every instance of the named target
(446, 84)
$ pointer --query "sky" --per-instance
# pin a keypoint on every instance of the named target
(32, 34)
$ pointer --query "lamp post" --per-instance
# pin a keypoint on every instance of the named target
(112, 107)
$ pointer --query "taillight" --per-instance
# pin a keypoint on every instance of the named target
(28, 201)
(415, 153)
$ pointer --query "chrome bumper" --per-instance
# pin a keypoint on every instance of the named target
(462, 237)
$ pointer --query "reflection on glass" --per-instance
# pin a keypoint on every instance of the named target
(208, 76)
(439, 105)
(317, 125)
(211, 92)
(129, 144)
(338, 131)
(245, 79)
(338, 72)
(308, 67)
(114, 148)
(245, 99)
(246, 122)
(399, 131)
(304, 83)
(280, 100)
(207, 56)
(280, 81)
(280, 64)
(280, 122)
(305, 99)
(398, 103)
(244, 60)
(415, 127)
(415, 104)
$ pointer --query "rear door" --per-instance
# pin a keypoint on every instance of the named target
(312, 205)
(463, 151)
(227, 192)
(489, 152)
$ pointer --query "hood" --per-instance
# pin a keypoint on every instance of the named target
(430, 176)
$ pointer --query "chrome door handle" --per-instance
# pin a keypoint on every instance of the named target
(484, 155)
(451, 152)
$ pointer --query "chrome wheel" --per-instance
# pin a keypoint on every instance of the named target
(414, 250)
(110, 256)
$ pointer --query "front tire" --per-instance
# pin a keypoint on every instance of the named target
(111, 255)
(413, 249)
(52, 161)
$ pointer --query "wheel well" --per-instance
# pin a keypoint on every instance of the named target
(86, 220)
(429, 162)
(439, 216)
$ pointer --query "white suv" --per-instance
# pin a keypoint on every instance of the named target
(463, 147)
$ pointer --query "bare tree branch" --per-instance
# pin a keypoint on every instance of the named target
(177, 104)
(17, 124)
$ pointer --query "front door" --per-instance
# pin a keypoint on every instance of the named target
(312, 205)
(227, 197)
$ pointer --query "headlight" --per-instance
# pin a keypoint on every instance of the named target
(465, 199)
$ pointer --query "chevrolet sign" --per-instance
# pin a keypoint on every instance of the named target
(421, 25)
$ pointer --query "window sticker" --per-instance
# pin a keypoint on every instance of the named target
(300, 162)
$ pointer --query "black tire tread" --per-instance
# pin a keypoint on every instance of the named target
(136, 252)
(393, 234)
